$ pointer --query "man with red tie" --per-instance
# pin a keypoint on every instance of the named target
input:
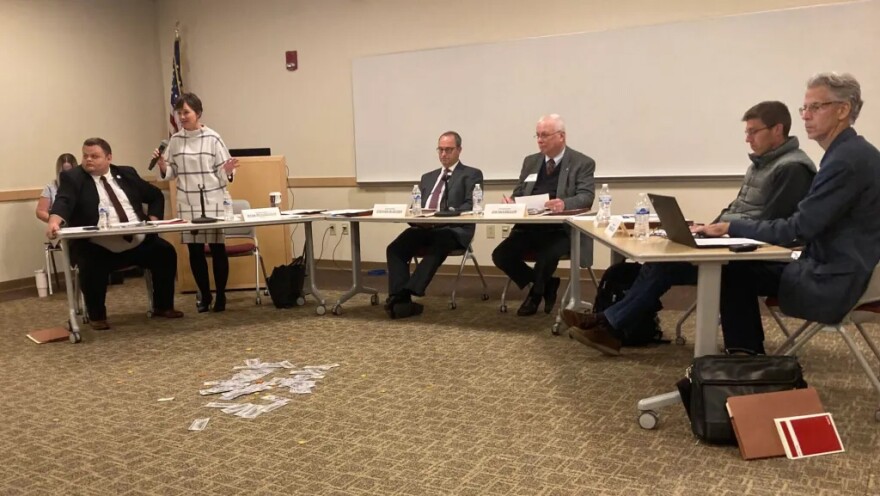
(436, 240)
(99, 184)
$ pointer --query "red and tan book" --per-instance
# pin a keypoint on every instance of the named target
(809, 435)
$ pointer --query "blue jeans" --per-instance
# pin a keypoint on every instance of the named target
(653, 281)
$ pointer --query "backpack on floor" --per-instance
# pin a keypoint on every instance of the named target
(286, 284)
(615, 282)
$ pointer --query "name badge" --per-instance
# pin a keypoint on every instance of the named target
(531, 178)
(613, 225)
(504, 210)
(261, 213)
(390, 210)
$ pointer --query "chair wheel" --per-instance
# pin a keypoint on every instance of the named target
(680, 340)
(259, 301)
(555, 329)
(452, 305)
(149, 314)
(75, 337)
(484, 297)
(337, 310)
(648, 419)
(374, 299)
(300, 301)
(503, 308)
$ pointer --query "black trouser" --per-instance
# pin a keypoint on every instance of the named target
(741, 284)
(547, 243)
(96, 262)
(198, 263)
(434, 243)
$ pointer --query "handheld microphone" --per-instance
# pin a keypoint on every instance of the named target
(162, 146)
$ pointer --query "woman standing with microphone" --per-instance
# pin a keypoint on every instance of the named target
(198, 158)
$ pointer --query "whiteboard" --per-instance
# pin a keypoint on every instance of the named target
(655, 101)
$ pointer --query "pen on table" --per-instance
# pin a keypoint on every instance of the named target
(505, 198)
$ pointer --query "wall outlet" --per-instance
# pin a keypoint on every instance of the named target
(490, 232)
(345, 230)
(505, 231)
(332, 229)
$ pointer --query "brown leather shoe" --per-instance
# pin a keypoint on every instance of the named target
(584, 320)
(99, 325)
(599, 337)
(168, 314)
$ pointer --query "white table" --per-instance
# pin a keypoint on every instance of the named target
(67, 234)
(708, 262)
(358, 287)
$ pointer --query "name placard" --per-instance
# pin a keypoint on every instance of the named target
(504, 210)
(390, 210)
(261, 213)
(613, 225)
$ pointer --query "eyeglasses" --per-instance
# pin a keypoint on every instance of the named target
(752, 132)
(446, 150)
(545, 136)
(815, 107)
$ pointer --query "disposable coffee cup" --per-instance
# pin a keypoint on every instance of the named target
(42, 283)
(275, 199)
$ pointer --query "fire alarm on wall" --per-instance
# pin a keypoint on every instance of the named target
(292, 64)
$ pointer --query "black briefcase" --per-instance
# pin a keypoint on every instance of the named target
(711, 379)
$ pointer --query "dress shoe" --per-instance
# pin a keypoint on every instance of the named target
(99, 325)
(219, 303)
(168, 314)
(599, 337)
(395, 299)
(584, 320)
(529, 306)
(203, 305)
(550, 293)
(406, 309)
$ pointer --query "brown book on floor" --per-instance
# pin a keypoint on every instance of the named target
(49, 335)
(752, 418)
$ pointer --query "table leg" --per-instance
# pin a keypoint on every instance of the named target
(321, 309)
(705, 342)
(356, 276)
(72, 319)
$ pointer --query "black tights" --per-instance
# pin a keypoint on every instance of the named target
(199, 266)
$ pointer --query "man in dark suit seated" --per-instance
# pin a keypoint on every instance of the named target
(566, 175)
(778, 178)
(838, 222)
(99, 184)
(437, 240)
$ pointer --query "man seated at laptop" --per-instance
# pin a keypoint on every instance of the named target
(777, 179)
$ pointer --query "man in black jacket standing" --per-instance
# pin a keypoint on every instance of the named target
(98, 184)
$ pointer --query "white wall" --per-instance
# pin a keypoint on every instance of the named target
(72, 69)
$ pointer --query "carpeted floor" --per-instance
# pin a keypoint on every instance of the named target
(463, 402)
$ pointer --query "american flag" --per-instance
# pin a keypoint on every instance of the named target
(176, 83)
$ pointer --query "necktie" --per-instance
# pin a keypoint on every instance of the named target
(551, 166)
(120, 212)
(435, 195)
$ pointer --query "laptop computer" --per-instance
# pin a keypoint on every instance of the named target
(677, 229)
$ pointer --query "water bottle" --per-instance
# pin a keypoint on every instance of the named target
(478, 200)
(228, 212)
(604, 214)
(416, 201)
(643, 212)
(103, 218)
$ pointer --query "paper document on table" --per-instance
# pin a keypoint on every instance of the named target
(533, 201)
(348, 211)
(175, 220)
(727, 241)
(301, 211)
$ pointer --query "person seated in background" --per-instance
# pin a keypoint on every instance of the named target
(838, 222)
(778, 177)
(65, 161)
(97, 184)
(437, 240)
(566, 175)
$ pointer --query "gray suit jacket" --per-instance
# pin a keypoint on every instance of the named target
(461, 190)
(839, 221)
(576, 187)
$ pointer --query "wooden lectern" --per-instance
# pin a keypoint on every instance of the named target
(255, 178)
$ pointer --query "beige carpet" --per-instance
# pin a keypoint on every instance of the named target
(453, 402)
